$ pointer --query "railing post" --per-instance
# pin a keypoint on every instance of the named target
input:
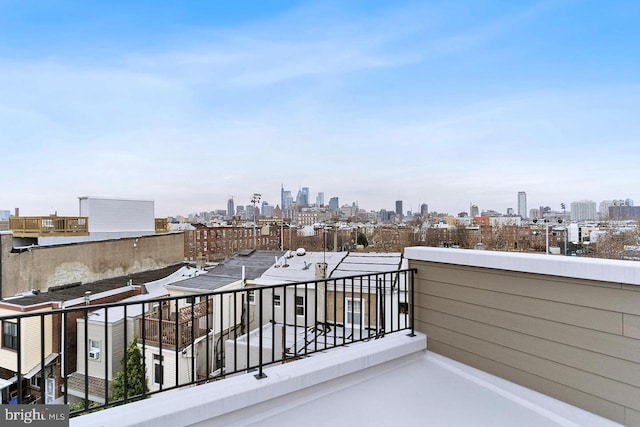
(19, 354)
(260, 374)
(412, 303)
(105, 354)
(86, 359)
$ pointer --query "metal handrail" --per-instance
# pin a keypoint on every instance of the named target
(236, 334)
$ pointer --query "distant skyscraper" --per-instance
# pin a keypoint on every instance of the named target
(303, 197)
(583, 210)
(288, 199)
(522, 204)
(267, 210)
(230, 207)
(424, 209)
(606, 204)
(320, 199)
(474, 211)
(399, 208)
(334, 204)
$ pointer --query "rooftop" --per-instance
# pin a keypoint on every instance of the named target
(392, 381)
(339, 264)
(254, 263)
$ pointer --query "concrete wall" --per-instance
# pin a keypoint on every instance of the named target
(564, 326)
(43, 267)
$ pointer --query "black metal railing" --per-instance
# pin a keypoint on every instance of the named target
(97, 356)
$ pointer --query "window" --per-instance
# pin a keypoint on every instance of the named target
(299, 306)
(251, 297)
(158, 370)
(10, 335)
(353, 312)
(276, 300)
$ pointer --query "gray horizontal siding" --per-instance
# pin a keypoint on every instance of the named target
(573, 339)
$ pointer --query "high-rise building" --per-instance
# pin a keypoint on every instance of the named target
(522, 204)
(334, 204)
(286, 199)
(606, 204)
(399, 208)
(230, 207)
(583, 210)
(424, 209)
(474, 211)
(320, 199)
(303, 197)
(266, 210)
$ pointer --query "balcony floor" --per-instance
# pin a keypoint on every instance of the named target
(390, 381)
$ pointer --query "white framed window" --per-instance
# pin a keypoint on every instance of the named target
(276, 300)
(299, 306)
(353, 312)
(251, 297)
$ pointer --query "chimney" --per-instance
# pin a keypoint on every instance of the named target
(17, 212)
(87, 297)
(321, 270)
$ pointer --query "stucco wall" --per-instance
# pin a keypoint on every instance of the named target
(43, 267)
(574, 339)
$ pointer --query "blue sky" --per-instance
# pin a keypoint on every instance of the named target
(442, 102)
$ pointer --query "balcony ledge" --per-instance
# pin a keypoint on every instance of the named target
(606, 270)
(204, 403)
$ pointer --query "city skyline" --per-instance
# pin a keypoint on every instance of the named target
(446, 104)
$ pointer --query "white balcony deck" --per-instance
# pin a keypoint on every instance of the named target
(390, 381)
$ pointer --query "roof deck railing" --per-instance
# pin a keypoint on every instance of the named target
(36, 226)
(189, 340)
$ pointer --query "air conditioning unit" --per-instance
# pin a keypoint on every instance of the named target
(94, 354)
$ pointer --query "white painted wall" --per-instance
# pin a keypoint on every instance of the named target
(118, 215)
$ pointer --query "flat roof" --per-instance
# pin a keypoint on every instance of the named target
(255, 263)
(339, 264)
(390, 381)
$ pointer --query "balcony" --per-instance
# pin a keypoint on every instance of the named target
(176, 331)
(461, 338)
(49, 226)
